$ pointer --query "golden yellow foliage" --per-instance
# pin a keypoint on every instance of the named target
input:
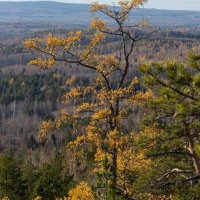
(95, 39)
(97, 23)
(95, 6)
(70, 80)
(43, 63)
(32, 43)
(74, 93)
(101, 114)
(81, 192)
(85, 107)
(45, 127)
(5, 198)
(125, 7)
(38, 198)
(129, 160)
(142, 97)
(65, 117)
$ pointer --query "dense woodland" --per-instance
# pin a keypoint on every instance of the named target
(111, 112)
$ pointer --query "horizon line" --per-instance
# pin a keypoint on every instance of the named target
(62, 2)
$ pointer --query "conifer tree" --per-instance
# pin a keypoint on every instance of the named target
(11, 184)
(52, 181)
(176, 112)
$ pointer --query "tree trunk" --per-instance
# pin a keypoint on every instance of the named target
(192, 150)
(114, 169)
(195, 157)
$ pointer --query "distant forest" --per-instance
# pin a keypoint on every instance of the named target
(21, 84)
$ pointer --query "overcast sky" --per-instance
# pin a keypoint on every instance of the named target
(159, 4)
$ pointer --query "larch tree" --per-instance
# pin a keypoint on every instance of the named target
(100, 110)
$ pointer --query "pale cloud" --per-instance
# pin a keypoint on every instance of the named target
(159, 4)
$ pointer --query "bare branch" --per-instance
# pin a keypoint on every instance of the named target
(173, 171)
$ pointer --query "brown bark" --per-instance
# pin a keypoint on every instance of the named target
(194, 156)
(192, 150)
(114, 167)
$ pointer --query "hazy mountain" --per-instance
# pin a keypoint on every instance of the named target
(79, 14)
(23, 18)
(44, 11)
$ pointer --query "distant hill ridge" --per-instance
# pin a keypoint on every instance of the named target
(49, 11)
